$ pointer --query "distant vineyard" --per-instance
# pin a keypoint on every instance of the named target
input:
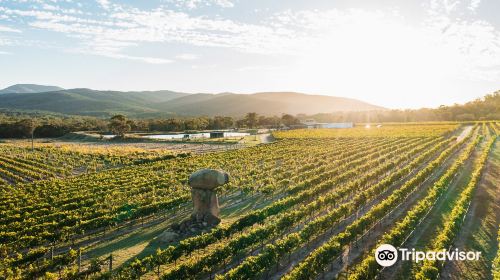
(417, 130)
(20, 164)
(321, 191)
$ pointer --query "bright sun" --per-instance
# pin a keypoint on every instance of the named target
(375, 54)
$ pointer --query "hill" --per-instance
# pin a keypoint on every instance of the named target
(87, 101)
(264, 103)
(168, 103)
(29, 88)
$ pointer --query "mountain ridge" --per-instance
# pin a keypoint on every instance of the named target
(84, 101)
(29, 88)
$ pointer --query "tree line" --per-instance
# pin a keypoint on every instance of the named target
(26, 126)
(486, 108)
(39, 126)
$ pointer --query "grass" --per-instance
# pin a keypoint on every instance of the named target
(139, 243)
(143, 242)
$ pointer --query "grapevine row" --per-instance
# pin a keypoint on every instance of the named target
(317, 261)
(430, 268)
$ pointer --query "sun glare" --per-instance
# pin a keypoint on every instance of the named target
(365, 53)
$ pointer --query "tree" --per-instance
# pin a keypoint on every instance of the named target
(119, 125)
(140, 125)
(289, 120)
(28, 126)
(251, 120)
(269, 121)
(228, 122)
(220, 122)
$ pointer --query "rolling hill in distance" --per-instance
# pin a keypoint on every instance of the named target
(82, 101)
(27, 88)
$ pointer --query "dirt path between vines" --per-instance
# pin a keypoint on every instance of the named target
(266, 138)
(464, 133)
(478, 233)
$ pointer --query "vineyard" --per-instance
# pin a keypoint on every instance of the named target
(19, 163)
(314, 204)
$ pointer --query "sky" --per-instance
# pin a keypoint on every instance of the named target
(393, 53)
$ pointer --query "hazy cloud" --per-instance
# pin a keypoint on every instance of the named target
(186, 56)
(193, 4)
(9, 29)
(443, 36)
(105, 4)
(474, 4)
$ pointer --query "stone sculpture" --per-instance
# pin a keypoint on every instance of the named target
(203, 185)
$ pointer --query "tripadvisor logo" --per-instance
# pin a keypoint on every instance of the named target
(387, 255)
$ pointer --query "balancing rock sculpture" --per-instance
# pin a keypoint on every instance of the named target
(203, 185)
